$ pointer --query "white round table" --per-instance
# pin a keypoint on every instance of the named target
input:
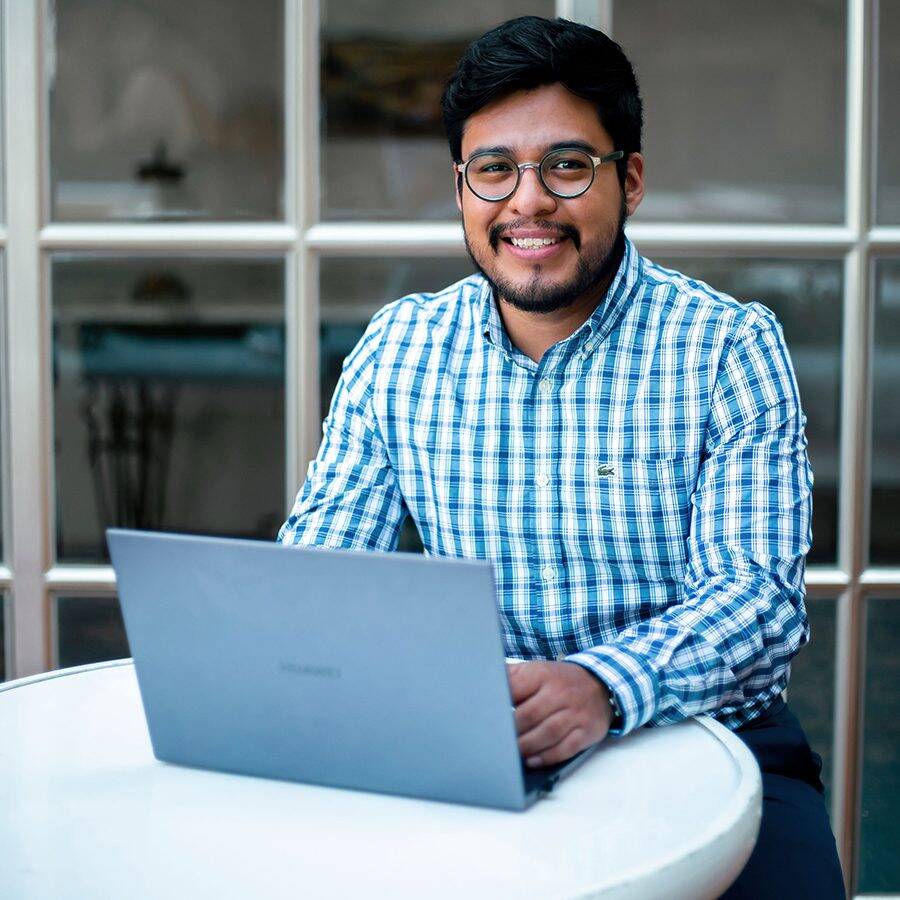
(86, 811)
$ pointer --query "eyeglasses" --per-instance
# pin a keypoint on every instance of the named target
(565, 173)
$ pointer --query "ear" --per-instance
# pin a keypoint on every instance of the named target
(457, 187)
(634, 182)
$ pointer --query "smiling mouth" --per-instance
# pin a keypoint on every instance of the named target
(533, 243)
(554, 233)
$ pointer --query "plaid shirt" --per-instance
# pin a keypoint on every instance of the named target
(643, 491)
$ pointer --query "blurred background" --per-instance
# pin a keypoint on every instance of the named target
(204, 201)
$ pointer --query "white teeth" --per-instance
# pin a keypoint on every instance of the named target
(533, 243)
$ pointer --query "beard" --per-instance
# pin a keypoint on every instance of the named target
(595, 265)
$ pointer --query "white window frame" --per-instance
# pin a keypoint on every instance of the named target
(30, 579)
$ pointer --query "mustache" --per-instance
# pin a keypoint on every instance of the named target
(570, 231)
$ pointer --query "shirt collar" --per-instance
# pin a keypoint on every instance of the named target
(598, 325)
(489, 316)
(618, 298)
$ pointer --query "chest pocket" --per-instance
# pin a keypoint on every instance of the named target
(638, 511)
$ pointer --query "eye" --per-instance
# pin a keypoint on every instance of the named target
(494, 167)
(568, 164)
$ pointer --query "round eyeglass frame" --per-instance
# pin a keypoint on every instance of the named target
(463, 169)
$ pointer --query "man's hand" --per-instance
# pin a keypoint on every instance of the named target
(561, 708)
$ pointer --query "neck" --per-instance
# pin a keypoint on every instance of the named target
(535, 333)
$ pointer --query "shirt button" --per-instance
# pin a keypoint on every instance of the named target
(543, 479)
(545, 385)
(548, 573)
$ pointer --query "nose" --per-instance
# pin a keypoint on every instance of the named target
(531, 198)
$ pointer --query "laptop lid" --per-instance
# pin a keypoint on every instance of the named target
(367, 670)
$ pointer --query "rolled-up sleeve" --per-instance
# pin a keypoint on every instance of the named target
(726, 646)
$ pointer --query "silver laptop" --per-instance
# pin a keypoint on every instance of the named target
(376, 671)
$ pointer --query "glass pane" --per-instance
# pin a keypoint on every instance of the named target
(352, 290)
(887, 202)
(181, 116)
(879, 861)
(806, 297)
(811, 689)
(89, 629)
(384, 64)
(735, 129)
(885, 537)
(169, 397)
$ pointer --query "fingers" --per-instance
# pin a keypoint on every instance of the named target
(560, 710)
(574, 742)
(525, 680)
(555, 740)
(549, 731)
(536, 709)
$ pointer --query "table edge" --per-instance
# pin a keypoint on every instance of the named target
(748, 794)
(63, 673)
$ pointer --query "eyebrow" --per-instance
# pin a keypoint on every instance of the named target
(558, 145)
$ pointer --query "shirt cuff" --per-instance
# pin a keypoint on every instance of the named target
(630, 677)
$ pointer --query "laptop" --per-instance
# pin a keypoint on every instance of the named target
(367, 670)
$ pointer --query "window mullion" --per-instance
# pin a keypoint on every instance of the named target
(855, 441)
(168, 237)
(27, 340)
(303, 314)
(596, 13)
(445, 238)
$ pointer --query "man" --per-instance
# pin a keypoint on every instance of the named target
(625, 444)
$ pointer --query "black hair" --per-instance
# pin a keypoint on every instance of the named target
(529, 52)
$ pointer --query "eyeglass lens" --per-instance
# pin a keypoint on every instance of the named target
(565, 173)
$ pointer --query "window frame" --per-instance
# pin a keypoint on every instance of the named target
(31, 577)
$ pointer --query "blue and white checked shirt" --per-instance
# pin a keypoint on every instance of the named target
(643, 492)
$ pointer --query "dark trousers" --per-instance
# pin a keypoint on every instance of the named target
(795, 857)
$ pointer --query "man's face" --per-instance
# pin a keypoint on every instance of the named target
(586, 231)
